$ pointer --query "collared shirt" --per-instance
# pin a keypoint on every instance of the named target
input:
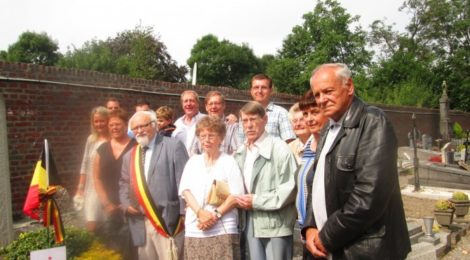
(307, 160)
(231, 142)
(318, 197)
(278, 123)
(297, 148)
(187, 133)
(148, 156)
(252, 152)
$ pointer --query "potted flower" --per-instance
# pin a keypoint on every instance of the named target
(444, 212)
(461, 203)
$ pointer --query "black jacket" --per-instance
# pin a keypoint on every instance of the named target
(366, 219)
(167, 130)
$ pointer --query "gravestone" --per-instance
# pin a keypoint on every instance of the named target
(417, 138)
(427, 141)
(6, 220)
(447, 153)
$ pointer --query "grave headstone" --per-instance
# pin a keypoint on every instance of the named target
(418, 137)
(427, 142)
(447, 154)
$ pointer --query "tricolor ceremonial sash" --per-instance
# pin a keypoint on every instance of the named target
(52, 216)
(139, 185)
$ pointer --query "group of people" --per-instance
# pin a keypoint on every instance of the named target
(210, 186)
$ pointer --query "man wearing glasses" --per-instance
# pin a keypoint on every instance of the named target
(268, 167)
(148, 190)
(215, 106)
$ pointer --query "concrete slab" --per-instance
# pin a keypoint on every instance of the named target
(428, 192)
(415, 231)
(433, 240)
(414, 227)
(444, 246)
(422, 251)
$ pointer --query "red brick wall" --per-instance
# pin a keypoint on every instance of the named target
(54, 103)
(427, 121)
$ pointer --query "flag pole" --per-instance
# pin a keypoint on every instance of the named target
(46, 149)
(194, 77)
(46, 156)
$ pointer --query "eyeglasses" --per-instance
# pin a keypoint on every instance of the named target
(297, 120)
(140, 127)
(210, 137)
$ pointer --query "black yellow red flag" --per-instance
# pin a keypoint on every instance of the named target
(38, 186)
(40, 194)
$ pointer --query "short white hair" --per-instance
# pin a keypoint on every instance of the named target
(293, 110)
(150, 114)
(342, 70)
(189, 92)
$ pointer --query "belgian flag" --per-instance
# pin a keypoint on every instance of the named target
(38, 186)
(40, 194)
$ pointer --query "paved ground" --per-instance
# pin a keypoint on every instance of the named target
(419, 205)
(460, 251)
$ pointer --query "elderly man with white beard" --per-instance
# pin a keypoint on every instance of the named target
(148, 190)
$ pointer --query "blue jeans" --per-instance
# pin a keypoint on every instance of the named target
(264, 248)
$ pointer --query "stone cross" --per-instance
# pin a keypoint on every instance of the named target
(444, 120)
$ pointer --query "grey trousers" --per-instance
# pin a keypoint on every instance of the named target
(158, 247)
(263, 248)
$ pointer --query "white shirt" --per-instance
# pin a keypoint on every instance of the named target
(318, 187)
(186, 133)
(148, 156)
(252, 152)
(198, 178)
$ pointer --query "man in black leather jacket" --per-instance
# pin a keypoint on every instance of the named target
(355, 210)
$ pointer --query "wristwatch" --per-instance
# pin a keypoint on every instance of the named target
(217, 213)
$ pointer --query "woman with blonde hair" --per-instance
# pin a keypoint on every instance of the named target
(296, 118)
(86, 189)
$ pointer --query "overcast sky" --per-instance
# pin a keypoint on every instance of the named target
(262, 24)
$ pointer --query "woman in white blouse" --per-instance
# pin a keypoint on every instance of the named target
(211, 231)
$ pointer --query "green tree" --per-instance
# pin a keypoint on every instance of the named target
(434, 48)
(223, 63)
(287, 75)
(94, 55)
(328, 34)
(137, 53)
(443, 26)
(31, 47)
(265, 61)
(402, 73)
(3, 55)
